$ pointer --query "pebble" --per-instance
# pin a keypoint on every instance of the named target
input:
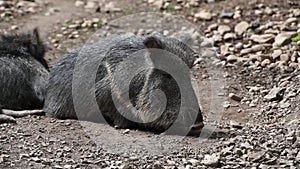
(232, 58)
(90, 5)
(291, 20)
(235, 97)
(253, 49)
(241, 27)
(110, 7)
(227, 15)
(266, 38)
(222, 29)
(276, 54)
(283, 38)
(229, 36)
(79, 3)
(211, 160)
(265, 62)
(273, 94)
(203, 15)
(194, 162)
(284, 58)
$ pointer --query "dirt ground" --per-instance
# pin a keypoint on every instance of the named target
(44, 142)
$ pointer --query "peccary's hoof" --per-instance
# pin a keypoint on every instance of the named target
(196, 129)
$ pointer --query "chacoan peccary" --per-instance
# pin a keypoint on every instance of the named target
(109, 53)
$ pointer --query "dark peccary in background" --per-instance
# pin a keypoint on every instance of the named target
(114, 50)
(23, 71)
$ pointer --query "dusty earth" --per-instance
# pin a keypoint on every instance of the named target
(258, 126)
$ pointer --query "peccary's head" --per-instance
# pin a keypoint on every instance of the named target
(188, 119)
(28, 43)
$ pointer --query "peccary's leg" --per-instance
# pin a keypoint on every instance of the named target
(6, 119)
(22, 113)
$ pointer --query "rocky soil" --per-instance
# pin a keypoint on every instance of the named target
(258, 106)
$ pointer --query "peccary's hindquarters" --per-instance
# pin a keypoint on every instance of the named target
(23, 72)
(126, 95)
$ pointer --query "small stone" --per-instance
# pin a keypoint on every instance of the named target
(291, 20)
(222, 29)
(229, 36)
(210, 1)
(237, 16)
(159, 4)
(90, 5)
(110, 7)
(296, 12)
(36, 159)
(266, 38)
(127, 131)
(246, 51)
(232, 58)
(255, 57)
(254, 89)
(265, 62)
(284, 58)
(211, 160)
(294, 56)
(256, 156)
(276, 54)
(67, 166)
(253, 49)
(203, 15)
(213, 27)
(269, 11)
(217, 38)
(227, 15)
(226, 151)
(224, 50)
(271, 31)
(236, 125)
(194, 162)
(235, 97)
(241, 27)
(239, 45)
(274, 94)
(283, 38)
(170, 162)
(14, 27)
(79, 3)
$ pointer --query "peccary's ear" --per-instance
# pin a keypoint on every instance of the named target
(153, 42)
(35, 36)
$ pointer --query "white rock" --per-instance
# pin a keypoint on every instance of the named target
(283, 38)
(222, 29)
(203, 15)
(90, 5)
(266, 38)
(229, 36)
(211, 160)
(79, 3)
(273, 94)
(276, 54)
(241, 27)
(110, 7)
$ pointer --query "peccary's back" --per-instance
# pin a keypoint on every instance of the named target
(23, 82)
